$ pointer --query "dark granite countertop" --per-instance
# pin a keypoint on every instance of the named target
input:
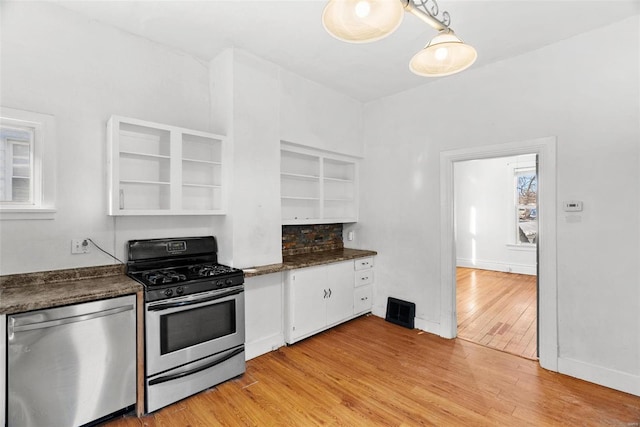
(35, 291)
(310, 259)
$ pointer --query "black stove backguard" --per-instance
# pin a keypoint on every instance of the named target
(186, 250)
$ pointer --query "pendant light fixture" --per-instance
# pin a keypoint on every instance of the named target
(362, 21)
(445, 54)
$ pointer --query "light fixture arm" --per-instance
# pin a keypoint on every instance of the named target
(428, 11)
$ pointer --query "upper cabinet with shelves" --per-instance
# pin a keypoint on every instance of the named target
(317, 186)
(157, 169)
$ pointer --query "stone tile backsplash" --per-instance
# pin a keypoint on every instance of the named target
(301, 239)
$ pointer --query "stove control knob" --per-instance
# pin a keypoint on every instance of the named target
(180, 290)
(220, 283)
(228, 282)
(168, 292)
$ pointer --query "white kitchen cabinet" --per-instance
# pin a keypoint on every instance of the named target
(317, 187)
(157, 169)
(362, 299)
(363, 284)
(340, 298)
(317, 298)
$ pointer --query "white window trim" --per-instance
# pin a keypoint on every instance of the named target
(525, 247)
(44, 165)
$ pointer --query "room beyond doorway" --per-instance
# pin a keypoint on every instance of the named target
(545, 149)
(496, 224)
(497, 310)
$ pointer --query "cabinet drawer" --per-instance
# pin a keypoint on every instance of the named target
(363, 277)
(362, 299)
(363, 263)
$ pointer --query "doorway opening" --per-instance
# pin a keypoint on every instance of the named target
(496, 229)
(545, 150)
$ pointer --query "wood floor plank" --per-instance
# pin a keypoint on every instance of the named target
(498, 310)
(369, 372)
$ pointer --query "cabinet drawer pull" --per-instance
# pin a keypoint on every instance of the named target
(325, 293)
(364, 298)
(364, 278)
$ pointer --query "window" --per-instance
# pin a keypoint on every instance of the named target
(16, 165)
(27, 165)
(526, 201)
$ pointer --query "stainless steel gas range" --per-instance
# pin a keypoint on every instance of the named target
(194, 317)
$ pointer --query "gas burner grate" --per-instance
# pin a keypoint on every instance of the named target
(162, 277)
(208, 270)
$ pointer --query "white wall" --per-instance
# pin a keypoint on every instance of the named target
(315, 116)
(485, 216)
(58, 62)
(584, 91)
(255, 199)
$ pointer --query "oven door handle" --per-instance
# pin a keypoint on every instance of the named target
(172, 377)
(169, 305)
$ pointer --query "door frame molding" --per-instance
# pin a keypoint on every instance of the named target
(545, 148)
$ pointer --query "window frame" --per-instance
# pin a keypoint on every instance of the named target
(9, 172)
(43, 160)
(517, 172)
(521, 164)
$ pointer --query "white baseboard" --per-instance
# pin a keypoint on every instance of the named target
(262, 346)
(427, 326)
(419, 323)
(497, 266)
(616, 380)
(379, 311)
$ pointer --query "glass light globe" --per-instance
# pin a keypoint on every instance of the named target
(445, 54)
(361, 21)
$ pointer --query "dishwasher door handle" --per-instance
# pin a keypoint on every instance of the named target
(66, 320)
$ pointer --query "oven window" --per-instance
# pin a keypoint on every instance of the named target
(194, 326)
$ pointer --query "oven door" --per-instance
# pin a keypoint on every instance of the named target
(184, 329)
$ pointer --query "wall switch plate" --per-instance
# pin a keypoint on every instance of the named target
(80, 246)
(572, 206)
(350, 236)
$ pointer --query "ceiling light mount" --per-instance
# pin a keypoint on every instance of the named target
(431, 8)
(362, 21)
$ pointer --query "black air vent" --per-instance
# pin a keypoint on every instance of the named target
(401, 312)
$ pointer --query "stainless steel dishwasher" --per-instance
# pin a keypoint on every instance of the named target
(72, 365)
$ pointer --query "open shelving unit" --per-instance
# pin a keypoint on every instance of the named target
(157, 169)
(317, 187)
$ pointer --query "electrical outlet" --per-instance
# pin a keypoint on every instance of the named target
(80, 246)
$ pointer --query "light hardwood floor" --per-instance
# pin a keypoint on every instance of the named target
(497, 310)
(369, 372)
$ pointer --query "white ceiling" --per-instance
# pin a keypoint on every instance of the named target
(290, 34)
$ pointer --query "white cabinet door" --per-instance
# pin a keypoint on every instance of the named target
(362, 298)
(308, 301)
(340, 286)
